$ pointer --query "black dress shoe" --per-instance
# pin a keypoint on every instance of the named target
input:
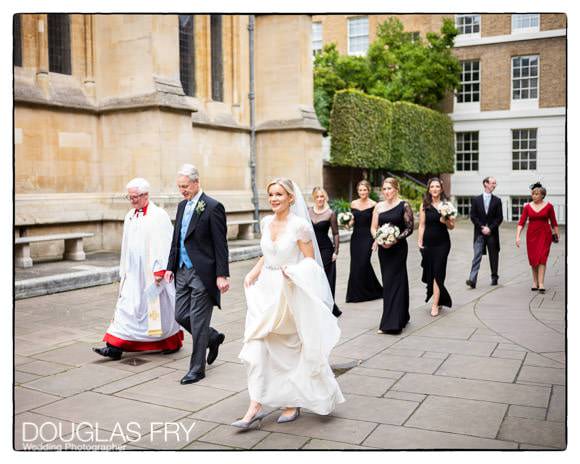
(191, 377)
(214, 348)
(493, 281)
(109, 352)
(469, 283)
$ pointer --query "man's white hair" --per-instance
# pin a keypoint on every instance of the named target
(140, 184)
(189, 170)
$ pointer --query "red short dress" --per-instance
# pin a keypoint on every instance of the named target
(539, 234)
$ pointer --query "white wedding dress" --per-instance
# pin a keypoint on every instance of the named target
(290, 329)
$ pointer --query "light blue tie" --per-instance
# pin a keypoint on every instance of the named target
(486, 201)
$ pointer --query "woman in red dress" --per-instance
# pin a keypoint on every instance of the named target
(542, 220)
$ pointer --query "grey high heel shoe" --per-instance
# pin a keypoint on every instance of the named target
(247, 424)
(293, 417)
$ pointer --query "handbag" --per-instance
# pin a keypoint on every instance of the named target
(555, 238)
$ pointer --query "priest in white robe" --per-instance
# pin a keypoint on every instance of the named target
(144, 317)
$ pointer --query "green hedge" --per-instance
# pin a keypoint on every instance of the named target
(371, 132)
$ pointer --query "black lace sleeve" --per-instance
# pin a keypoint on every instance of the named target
(408, 218)
(334, 227)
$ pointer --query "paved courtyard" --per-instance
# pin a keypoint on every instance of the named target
(487, 374)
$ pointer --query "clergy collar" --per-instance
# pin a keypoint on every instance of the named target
(142, 210)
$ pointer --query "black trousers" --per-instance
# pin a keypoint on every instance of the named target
(193, 309)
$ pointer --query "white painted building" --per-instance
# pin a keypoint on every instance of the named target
(520, 139)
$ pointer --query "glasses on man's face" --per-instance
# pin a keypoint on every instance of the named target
(134, 197)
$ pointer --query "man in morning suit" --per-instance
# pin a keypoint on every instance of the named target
(486, 215)
(198, 261)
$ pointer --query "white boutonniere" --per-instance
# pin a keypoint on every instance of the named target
(200, 207)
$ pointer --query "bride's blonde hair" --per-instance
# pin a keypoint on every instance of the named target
(286, 184)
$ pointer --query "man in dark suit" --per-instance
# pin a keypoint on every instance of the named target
(486, 215)
(199, 262)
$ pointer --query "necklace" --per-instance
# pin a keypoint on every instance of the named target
(316, 211)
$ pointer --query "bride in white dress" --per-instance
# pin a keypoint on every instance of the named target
(290, 329)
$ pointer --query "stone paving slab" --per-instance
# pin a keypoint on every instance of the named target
(226, 411)
(364, 346)
(482, 368)
(409, 438)
(133, 380)
(509, 354)
(232, 436)
(508, 393)
(402, 363)
(527, 412)
(364, 385)
(109, 411)
(538, 360)
(457, 415)
(546, 375)
(205, 446)
(42, 368)
(532, 431)
(557, 409)
(77, 380)
(449, 331)
(167, 391)
(75, 354)
(26, 399)
(24, 377)
(383, 373)
(379, 410)
(323, 427)
(447, 345)
(317, 444)
(281, 441)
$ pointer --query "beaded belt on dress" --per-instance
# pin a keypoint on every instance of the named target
(273, 268)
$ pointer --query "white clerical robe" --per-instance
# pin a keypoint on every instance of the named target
(142, 323)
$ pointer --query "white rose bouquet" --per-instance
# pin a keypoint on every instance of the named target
(344, 218)
(387, 234)
(447, 210)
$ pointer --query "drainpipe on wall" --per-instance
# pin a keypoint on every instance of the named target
(252, 97)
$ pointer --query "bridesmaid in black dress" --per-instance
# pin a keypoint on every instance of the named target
(363, 284)
(435, 244)
(393, 257)
(323, 218)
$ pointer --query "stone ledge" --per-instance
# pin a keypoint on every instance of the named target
(57, 283)
(64, 282)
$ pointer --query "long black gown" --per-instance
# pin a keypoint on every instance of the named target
(393, 262)
(363, 284)
(322, 223)
(436, 246)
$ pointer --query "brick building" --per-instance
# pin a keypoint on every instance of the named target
(510, 113)
(100, 99)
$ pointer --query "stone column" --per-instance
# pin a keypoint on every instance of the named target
(289, 137)
(89, 78)
(42, 52)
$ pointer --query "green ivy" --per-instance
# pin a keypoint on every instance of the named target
(339, 205)
(372, 132)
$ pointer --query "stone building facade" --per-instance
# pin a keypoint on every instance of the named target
(510, 114)
(100, 99)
